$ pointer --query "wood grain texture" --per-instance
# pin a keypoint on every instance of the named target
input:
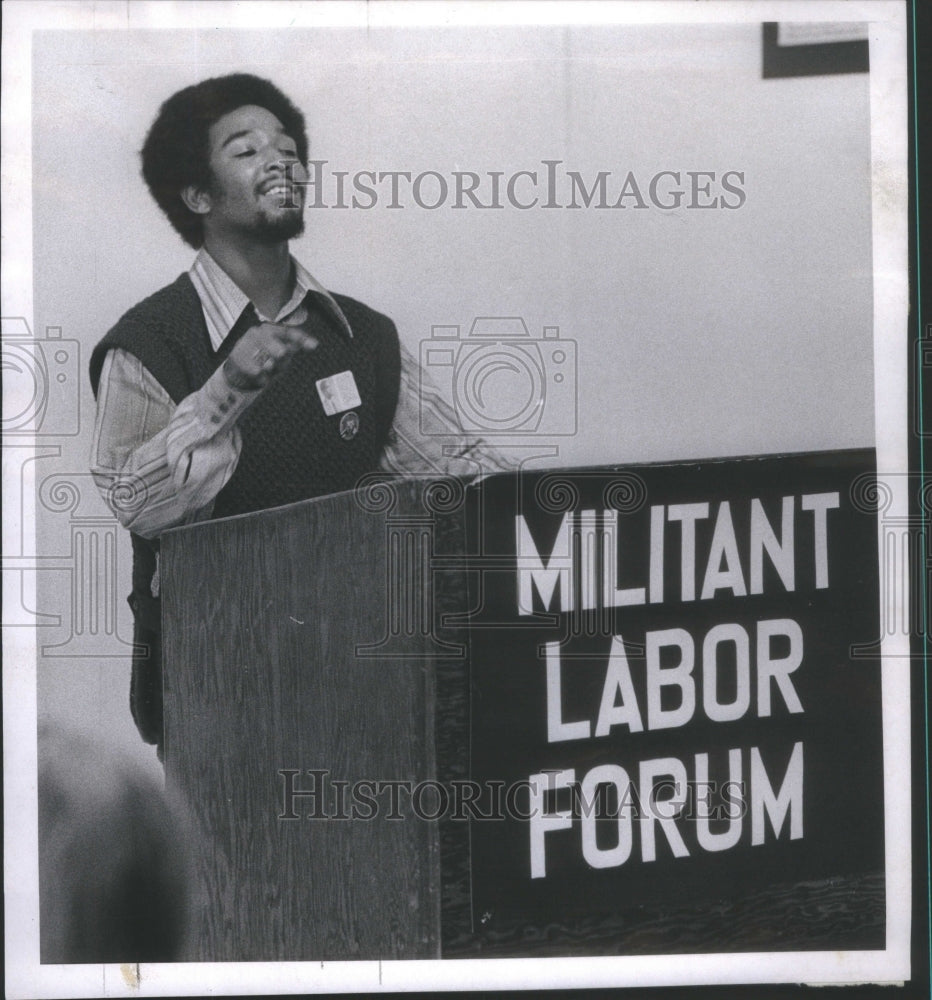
(264, 616)
(290, 645)
(803, 916)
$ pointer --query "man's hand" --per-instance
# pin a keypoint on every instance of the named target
(262, 352)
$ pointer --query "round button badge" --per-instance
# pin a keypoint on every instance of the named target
(349, 426)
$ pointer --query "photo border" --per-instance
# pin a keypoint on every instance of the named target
(25, 976)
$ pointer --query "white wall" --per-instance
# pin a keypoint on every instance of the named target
(698, 332)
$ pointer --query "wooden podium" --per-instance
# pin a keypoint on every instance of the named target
(312, 649)
(300, 640)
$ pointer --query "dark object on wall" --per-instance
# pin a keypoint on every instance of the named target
(784, 58)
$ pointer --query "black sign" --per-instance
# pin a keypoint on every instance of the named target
(675, 692)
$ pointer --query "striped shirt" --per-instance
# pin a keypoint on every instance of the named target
(176, 459)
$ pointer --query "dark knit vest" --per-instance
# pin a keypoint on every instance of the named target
(291, 450)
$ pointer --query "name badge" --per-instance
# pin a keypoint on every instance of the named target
(338, 393)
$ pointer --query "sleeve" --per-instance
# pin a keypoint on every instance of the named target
(427, 436)
(158, 465)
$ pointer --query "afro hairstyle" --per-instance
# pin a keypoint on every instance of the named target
(176, 152)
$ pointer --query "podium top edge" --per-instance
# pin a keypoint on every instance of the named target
(382, 480)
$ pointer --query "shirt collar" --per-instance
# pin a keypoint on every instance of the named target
(223, 301)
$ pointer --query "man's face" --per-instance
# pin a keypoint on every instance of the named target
(256, 188)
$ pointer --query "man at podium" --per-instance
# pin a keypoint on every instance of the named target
(245, 384)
